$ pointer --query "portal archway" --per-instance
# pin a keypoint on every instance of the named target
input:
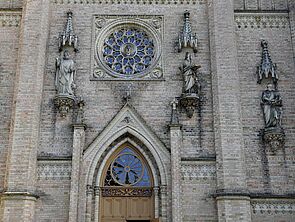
(127, 187)
(126, 127)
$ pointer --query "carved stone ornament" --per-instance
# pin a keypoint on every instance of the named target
(186, 38)
(271, 103)
(126, 191)
(274, 138)
(267, 69)
(191, 89)
(64, 103)
(190, 103)
(68, 37)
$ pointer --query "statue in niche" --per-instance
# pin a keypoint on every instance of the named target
(65, 72)
(271, 103)
(191, 82)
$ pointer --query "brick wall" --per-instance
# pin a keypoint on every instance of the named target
(9, 38)
(261, 4)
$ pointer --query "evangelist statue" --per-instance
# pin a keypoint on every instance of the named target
(271, 103)
(65, 72)
(191, 82)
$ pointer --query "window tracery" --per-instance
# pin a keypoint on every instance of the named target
(127, 169)
(128, 51)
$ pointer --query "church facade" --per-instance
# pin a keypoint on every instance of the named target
(147, 110)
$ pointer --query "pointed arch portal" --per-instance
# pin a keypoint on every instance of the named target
(126, 166)
(126, 187)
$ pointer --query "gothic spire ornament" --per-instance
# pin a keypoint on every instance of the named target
(186, 38)
(68, 37)
(267, 69)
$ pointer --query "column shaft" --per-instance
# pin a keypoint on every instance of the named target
(231, 176)
(78, 145)
(24, 138)
(176, 141)
(292, 23)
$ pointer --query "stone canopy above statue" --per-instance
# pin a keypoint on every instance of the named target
(186, 38)
(267, 70)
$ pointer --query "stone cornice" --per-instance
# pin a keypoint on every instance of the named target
(261, 20)
(18, 195)
(131, 2)
(10, 18)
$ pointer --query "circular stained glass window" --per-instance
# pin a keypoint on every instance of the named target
(128, 51)
(127, 169)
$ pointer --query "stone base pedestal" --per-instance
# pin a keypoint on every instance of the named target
(64, 103)
(189, 101)
(274, 138)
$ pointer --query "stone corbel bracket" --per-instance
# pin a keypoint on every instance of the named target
(274, 138)
(189, 101)
(64, 103)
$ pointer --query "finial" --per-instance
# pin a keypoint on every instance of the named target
(186, 37)
(174, 114)
(80, 112)
(68, 37)
(267, 69)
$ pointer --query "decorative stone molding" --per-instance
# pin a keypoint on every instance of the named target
(136, 2)
(273, 207)
(198, 171)
(126, 192)
(261, 20)
(110, 52)
(54, 170)
(10, 19)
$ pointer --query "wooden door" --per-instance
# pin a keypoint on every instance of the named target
(126, 188)
(118, 209)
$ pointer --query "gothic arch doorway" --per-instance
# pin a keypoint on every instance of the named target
(127, 187)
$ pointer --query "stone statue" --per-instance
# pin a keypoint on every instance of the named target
(191, 82)
(271, 103)
(65, 72)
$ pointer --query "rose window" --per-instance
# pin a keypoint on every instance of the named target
(128, 51)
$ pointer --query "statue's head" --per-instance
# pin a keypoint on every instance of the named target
(270, 87)
(66, 54)
(188, 56)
